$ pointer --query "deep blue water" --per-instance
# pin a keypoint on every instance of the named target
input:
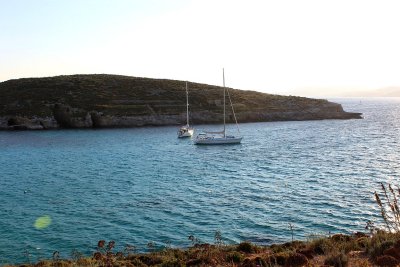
(140, 185)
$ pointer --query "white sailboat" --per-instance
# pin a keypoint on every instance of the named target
(186, 130)
(220, 138)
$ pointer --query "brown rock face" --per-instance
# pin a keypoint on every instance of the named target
(23, 123)
(69, 117)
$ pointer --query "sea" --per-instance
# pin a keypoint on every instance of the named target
(64, 190)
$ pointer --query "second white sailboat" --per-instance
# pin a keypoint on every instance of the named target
(186, 130)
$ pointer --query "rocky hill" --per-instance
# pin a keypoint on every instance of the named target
(101, 101)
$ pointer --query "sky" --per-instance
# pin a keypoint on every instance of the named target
(285, 47)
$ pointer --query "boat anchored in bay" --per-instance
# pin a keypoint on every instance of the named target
(186, 130)
(220, 138)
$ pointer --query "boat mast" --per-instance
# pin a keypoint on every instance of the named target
(187, 105)
(233, 110)
(223, 78)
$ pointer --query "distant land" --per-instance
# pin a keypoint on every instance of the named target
(382, 92)
(392, 91)
(106, 101)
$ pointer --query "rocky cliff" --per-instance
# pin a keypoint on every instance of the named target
(103, 101)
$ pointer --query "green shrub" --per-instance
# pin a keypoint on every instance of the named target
(320, 246)
(337, 260)
(235, 257)
(377, 248)
(279, 258)
(172, 263)
(245, 247)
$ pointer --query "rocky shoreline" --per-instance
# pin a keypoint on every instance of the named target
(110, 101)
(63, 119)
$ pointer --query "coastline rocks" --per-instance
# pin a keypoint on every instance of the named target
(24, 123)
(69, 117)
(65, 116)
(100, 120)
(327, 111)
(3, 123)
(49, 123)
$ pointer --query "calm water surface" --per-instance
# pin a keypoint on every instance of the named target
(140, 185)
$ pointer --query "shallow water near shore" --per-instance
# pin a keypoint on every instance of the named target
(143, 185)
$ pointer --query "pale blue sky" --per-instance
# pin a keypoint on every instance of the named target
(271, 46)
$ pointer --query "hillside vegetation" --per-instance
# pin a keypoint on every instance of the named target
(82, 101)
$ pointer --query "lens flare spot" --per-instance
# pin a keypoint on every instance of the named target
(42, 222)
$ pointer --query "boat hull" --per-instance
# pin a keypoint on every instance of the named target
(185, 133)
(218, 141)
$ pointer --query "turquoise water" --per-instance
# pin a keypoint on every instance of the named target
(144, 185)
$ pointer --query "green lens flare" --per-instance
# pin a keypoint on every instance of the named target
(42, 222)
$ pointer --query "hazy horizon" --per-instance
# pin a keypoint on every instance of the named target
(286, 47)
(390, 91)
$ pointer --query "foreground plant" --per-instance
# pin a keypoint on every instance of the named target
(104, 254)
(389, 207)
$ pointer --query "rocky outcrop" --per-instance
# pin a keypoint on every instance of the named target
(107, 101)
(327, 111)
(25, 123)
(69, 117)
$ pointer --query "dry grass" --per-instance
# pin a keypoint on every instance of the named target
(337, 250)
